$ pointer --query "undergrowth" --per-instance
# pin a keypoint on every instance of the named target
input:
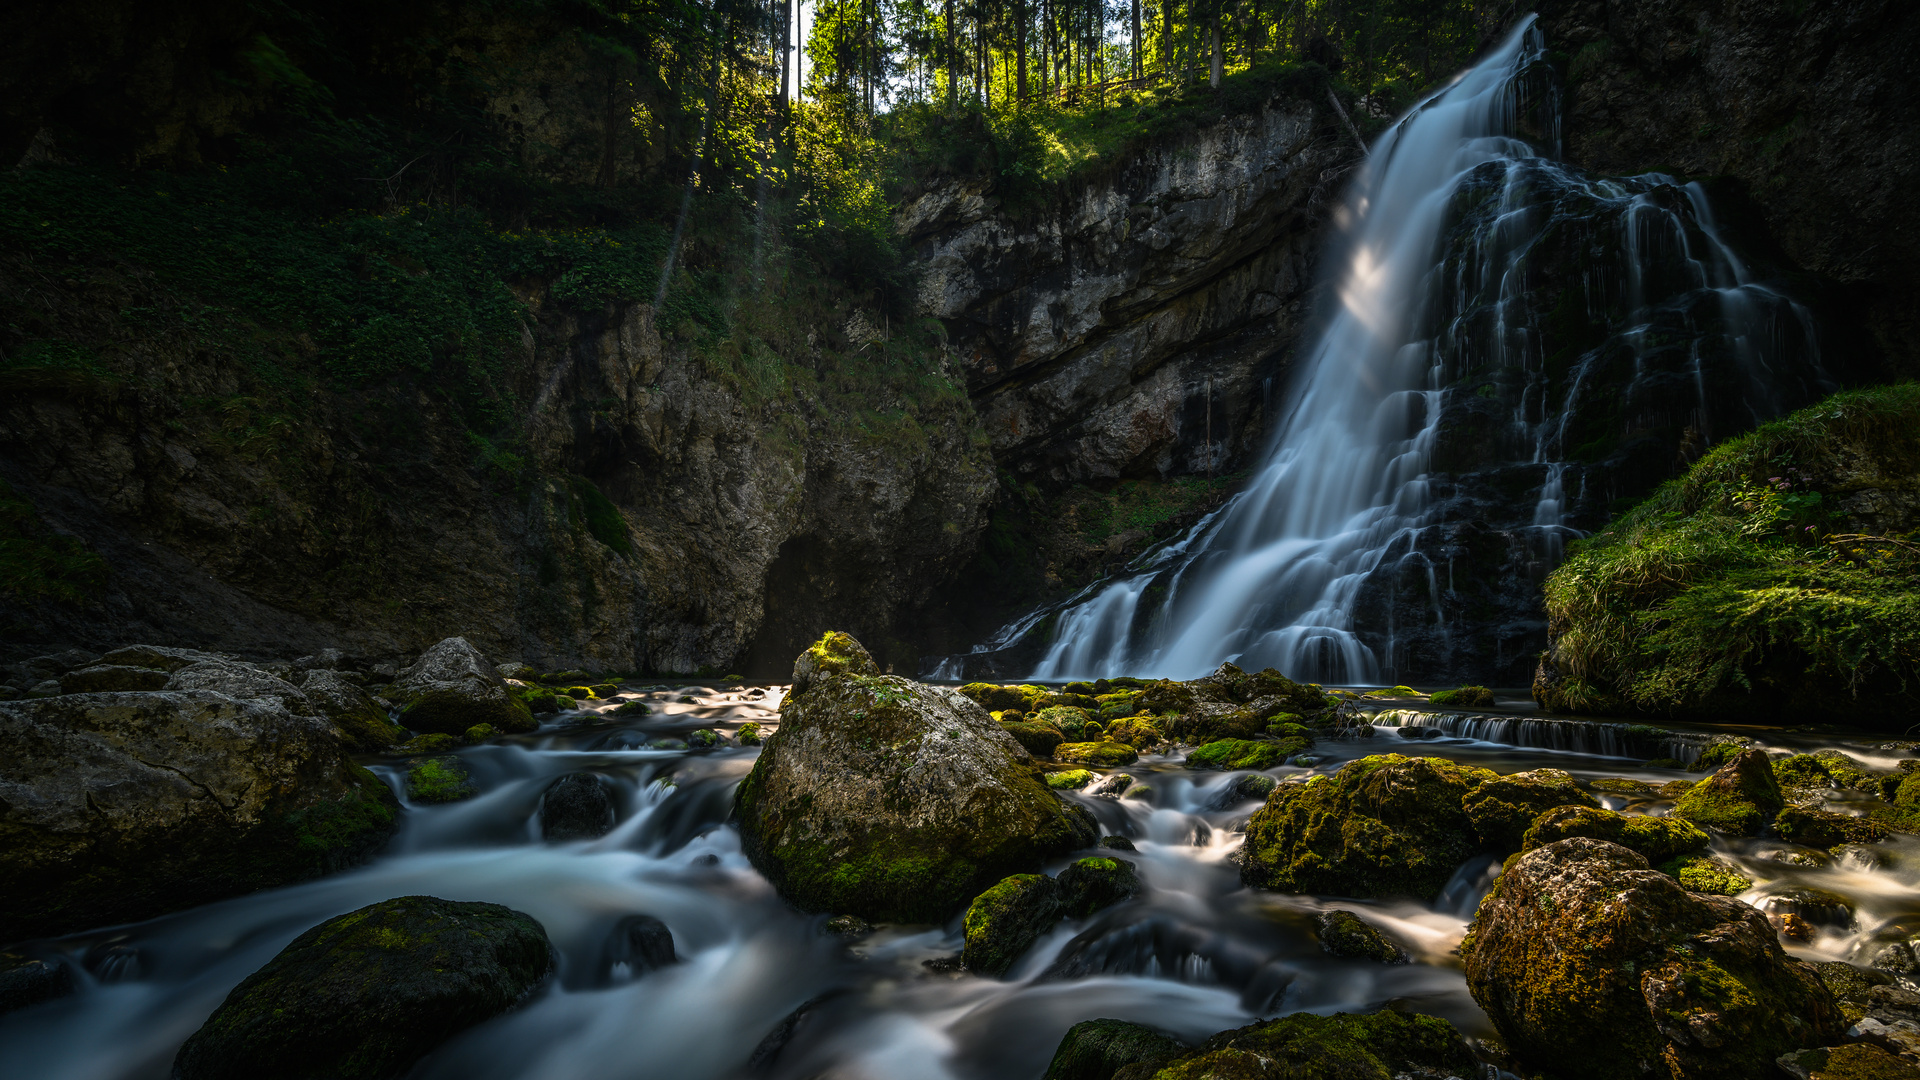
(1747, 583)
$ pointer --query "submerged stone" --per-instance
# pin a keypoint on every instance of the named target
(365, 995)
(577, 806)
(1345, 934)
(1097, 1049)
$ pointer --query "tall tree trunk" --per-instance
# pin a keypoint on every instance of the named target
(1166, 35)
(1213, 77)
(953, 66)
(1020, 50)
(1139, 62)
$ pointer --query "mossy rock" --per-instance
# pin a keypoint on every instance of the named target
(1657, 839)
(451, 688)
(1824, 829)
(1703, 874)
(1096, 882)
(365, 995)
(1135, 731)
(439, 780)
(632, 708)
(1085, 688)
(1740, 798)
(895, 801)
(1070, 721)
(577, 806)
(102, 827)
(1077, 701)
(992, 697)
(705, 739)
(364, 724)
(1069, 780)
(541, 701)
(1101, 755)
(1592, 966)
(1717, 754)
(1385, 825)
(604, 690)
(1466, 697)
(749, 734)
(1503, 808)
(479, 733)
(1380, 1046)
(430, 743)
(569, 677)
(1039, 739)
(834, 654)
(1003, 922)
(579, 693)
(1245, 753)
(1098, 1049)
(1854, 1061)
(1345, 934)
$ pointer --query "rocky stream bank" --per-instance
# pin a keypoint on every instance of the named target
(1124, 878)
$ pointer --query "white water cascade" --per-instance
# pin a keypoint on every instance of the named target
(1436, 290)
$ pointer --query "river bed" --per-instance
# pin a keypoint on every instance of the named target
(1195, 954)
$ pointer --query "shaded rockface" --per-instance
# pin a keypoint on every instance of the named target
(640, 536)
(1138, 327)
(1805, 112)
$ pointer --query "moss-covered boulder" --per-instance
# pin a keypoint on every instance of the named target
(1136, 731)
(1593, 966)
(1770, 582)
(1071, 721)
(1854, 1061)
(1098, 1049)
(363, 724)
(1096, 882)
(1246, 753)
(1003, 922)
(1705, 874)
(1740, 798)
(1070, 779)
(1825, 829)
(892, 800)
(995, 698)
(1345, 934)
(365, 995)
(452, 687)
(1503, 808)
(1466, 697)
(1658, 839)
(1381, 1046)
(439, 780)
(1039, 739)
(1385, 825)
(124, 806)
(1101, 755)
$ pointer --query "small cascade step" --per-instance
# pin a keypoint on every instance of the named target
(1597, 737)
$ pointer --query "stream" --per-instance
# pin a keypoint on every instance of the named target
(1196, 953)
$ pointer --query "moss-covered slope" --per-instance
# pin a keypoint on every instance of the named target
(1780, 577)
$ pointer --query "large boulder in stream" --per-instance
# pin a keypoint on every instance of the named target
(1740, 798)
(452, 687)
(365, 995)
(892, 800)
(123, 806)
(1385, 825)
(1593, 966)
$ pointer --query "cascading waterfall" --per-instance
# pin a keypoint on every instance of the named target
(1503, 323)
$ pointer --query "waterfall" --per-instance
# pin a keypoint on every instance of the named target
(1507, 343)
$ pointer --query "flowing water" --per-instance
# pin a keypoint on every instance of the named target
(1197, 953)
(1515, 344)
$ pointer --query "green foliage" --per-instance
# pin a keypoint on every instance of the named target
(1472, 697)
(1245, 753)
(1703, 874)
(439, 780)
(604, 521)
(38, 564)
(1743, 575)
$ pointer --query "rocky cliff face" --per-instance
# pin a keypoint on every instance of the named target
(1805, 112)
(639, 532)
(1138, 326)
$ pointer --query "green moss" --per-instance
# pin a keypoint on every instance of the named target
(1744, 589)
(539, 700)
(1102, 755)
(1135, 731)
(333, 834)
(1071, 722)
(1096, 882)
(603, 519)
(1716, 755)
(1386, 825)
(439, 780)
(579, 693)
(1467, 697)
(1097, 1049)
(1741, 798)
(1502, 809)
(480, 733)
(1246, 754)
(452, 712)
(1657, 838)
(1706, 875)
(1069, 779)
(430, 743)
(1003, 922)
(1825, 829)
(749, 734)
(1854, 1061)
(1343, 1046)
(1342, 933)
